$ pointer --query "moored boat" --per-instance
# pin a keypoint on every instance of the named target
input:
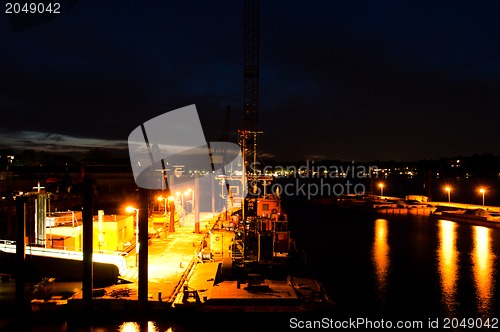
(474, 216)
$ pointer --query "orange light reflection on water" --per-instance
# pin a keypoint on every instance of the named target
(448, 265)
(136, 327)
(482, 264)
(381, 253)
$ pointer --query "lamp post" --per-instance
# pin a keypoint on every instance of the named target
(186, 193)
(171, 203)
(448, 189)
(381, 185)
(178, 194)
(164, 199)
(131, 209)
(192, 201)
(482, 190)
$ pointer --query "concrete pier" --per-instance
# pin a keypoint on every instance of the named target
(171, 259)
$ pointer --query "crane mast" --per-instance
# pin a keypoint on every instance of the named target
(248, 136)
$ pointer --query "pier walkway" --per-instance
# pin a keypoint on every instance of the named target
(170, 260)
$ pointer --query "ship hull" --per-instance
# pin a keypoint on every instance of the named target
(37, 267)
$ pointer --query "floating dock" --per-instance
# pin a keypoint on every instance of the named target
(481, 215)
(488, 216)
(419, 211)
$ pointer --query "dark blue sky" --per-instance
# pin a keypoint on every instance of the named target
(350, 80)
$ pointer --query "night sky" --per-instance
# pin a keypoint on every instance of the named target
(349, 80)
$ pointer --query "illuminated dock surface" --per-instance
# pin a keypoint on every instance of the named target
(170, 261)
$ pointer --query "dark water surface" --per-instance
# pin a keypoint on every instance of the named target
(401, 266)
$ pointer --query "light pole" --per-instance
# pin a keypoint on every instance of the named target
(190, 191)
(482, 190)
(448, 189)
(184, 211)
(192, 201)
(164, 199)
(381, 185)
(171, 204)
(178, 194)
(131, 209)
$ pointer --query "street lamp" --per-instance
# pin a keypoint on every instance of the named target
(482, 190)
(171, 204)
(131, 209)
(192, 201)
(190, 191)
(178, 194)
(164, 199)
(448, 189)
(381, 185)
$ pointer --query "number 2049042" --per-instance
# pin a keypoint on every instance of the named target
(471, 323)
(32, 8)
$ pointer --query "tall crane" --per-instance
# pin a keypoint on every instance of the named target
(251, 64)
(248, 136)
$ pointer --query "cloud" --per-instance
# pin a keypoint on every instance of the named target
(55, 143)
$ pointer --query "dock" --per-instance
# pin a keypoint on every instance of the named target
(474, 214)
(480, 215)
(183, 279)
(171, 261)
(419, 211)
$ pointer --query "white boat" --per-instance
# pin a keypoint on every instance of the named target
(61, 264)
(475, 216)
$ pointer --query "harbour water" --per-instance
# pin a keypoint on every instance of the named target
(401, 266)
(391, 267)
